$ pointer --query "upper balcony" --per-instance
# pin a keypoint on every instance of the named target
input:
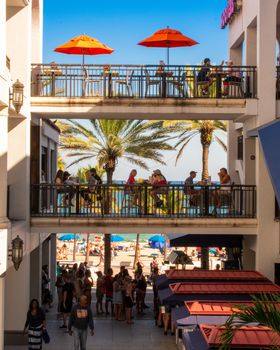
(174, 208)
(142, 91)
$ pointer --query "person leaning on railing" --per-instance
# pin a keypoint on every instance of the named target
(130, 187)
(233, 76)
(159, 183)
(221, 195)
(189, 190)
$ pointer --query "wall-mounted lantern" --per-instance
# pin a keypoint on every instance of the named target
(16, 252)
(17, 95)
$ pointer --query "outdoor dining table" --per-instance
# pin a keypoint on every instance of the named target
(218, 75)
(107, 82)
(52, 73)
(164, 75)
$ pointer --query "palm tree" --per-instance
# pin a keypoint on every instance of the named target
(60, 162)
(109, 140)
(207, 129)
(265, 312)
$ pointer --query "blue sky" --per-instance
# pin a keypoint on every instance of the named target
(120, 25)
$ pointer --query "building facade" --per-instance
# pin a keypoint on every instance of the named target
(254, 34)
(21, 44)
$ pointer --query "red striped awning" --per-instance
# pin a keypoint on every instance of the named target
(214, 274)
(247, 337)
(223, 288)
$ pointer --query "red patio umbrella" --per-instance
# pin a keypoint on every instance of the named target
(168, 38)
(84, 45)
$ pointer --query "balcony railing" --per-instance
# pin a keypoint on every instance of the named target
(142, 81)
(170, 201)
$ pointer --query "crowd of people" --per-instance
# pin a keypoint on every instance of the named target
(157, 182)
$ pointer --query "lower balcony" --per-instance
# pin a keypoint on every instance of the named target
(118, 208)
(138, 201)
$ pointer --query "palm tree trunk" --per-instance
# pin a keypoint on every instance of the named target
(107, 252)
(87, 251)
(205, 157)
(205, 258)
(136, 256)
(74, 248)
(165, 249)
(107, 207)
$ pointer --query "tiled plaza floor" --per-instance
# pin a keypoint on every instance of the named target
(112, 335)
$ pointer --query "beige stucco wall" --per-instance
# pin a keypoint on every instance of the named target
(255, 26)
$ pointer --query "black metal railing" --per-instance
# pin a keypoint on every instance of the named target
(143, 200)
(142, 81)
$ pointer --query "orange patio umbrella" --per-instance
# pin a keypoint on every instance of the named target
(168, 38)
(84, 45)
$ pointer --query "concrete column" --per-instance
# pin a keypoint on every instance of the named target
(19, 167)
(268, 229)
(3, 165)
(249, 155)
(232, 152)
(2, 306)
(2, 35)
(235, 54)
(46, 252)
(17, 298)
(53, 262)
(250, 46)
(35, 273)
(266, 53)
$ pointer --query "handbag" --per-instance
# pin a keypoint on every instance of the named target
(45, 336)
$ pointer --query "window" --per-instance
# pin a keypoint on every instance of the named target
(240, 147)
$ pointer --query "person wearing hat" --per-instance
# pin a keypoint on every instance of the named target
(189, 190)
(189, 180)
(159, 183)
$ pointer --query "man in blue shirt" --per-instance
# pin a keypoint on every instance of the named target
(80, 319)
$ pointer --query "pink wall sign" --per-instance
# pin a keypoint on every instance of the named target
(232, 8)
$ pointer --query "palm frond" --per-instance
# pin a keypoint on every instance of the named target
(221, 143)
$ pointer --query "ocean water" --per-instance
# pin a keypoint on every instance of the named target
(126, 236)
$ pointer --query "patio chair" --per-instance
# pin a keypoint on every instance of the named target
(129, 205)
(87, 80)
(151, 82)
(180, 84)
(200, 87)
(235, 89)
(127, 82)
(192, 201)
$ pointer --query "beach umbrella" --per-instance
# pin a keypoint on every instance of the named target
(156, 245)
(116, 238)
(168, 38)
(157, 238)
(213, 250)
(68, 237)
(84, 45)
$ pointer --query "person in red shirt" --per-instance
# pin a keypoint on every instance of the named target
(159, 183)
(130, 187)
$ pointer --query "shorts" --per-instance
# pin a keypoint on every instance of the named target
(109, 298)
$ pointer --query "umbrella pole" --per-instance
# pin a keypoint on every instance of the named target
(74, 247)
(167, 56)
